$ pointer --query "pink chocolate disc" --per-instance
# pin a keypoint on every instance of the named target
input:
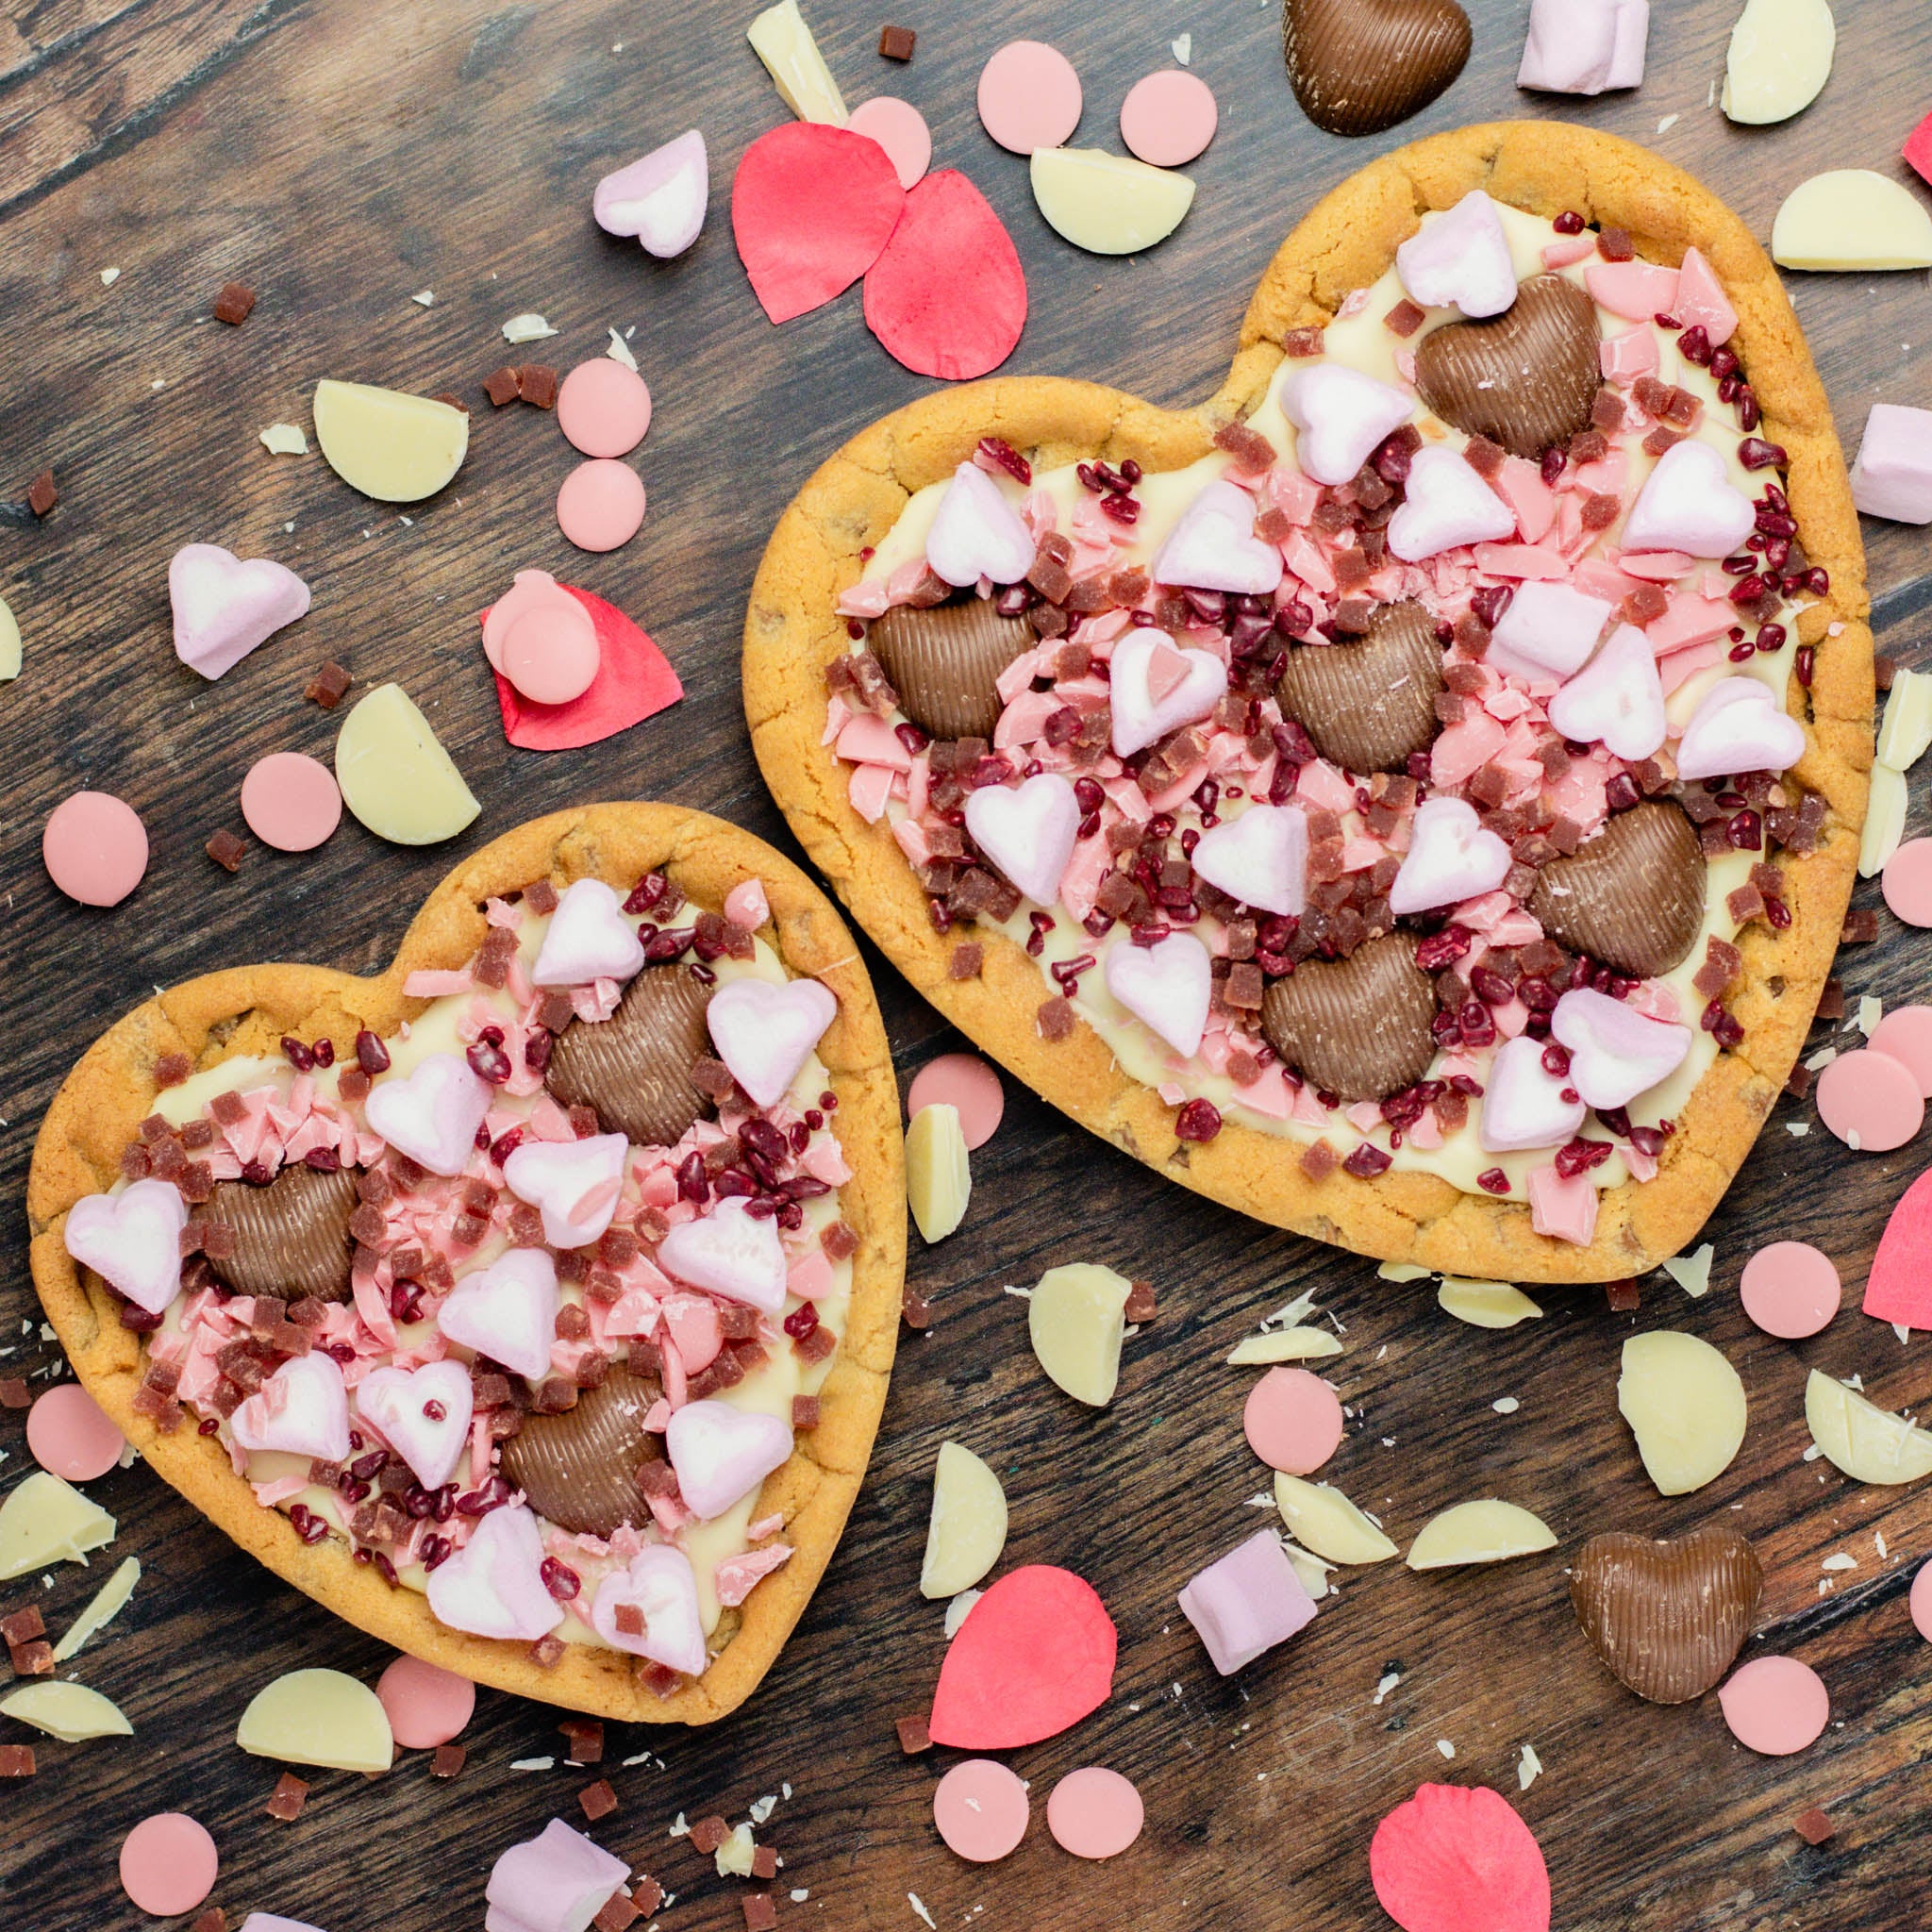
(69, 1433)
(427, 1706)
(1094, 1813)
(1906, 1035)
(1292, 1421)
(1776, 1705)
(168, 1864)
(1029, 96)
(601, 505)
(94, 848)
(550, 651)
(1922, 1601)
(1871, 1101)
(1791, 1289)
(1907, 882)
(900, 129)
(603, 408)
(291, 801)
(980, 1809)
(1168, 118)
(965, 1081)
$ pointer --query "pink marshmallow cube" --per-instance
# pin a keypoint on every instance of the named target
(1247, 1602)
(1893, 477)
(1584, 46)
(557, 1881)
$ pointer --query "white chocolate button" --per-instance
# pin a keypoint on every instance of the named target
(1485, 1304)
(71, 1712)
(1105, 203)
(1780, 61)
(318, 1717)
(1884, 820)
(938, 1179)
(391, 445)
(1487, 1531)
(1685, 1406)
(1852, 219)
(781, 40)
(1076, 1319)
(968, 1529)
(1320, 1516)
(395, 774)
(1869, 1443)
(9, 644)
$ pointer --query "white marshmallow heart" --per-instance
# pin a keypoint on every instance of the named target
(507, 1311)
(730, 1252)
(661, 199)
(976, 533)
(589, 938)
(493, 1586)
(1688, 504)
(432, 1113)
(662, 1588)
(225, 607)
(1738, 727)
(765, 1033)
(132, 1240)
(575, 1184)
(1027, 830)
(301, 1410)
(722, 1454)
(1447, 504)
(1548, 631)
(1452, 857)
(1617, 700)
(1214, 546)
(1460, 259)
(1343, 416)
(1616, 1053)
(1155, 686)
(1523, 1101)
(423, 1414)
(1169, 986)
(1259, 856)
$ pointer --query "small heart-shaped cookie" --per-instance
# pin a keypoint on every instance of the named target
(423, 1414)
(1452, 857)
(1359, 66)
(1738, 725)
(506, 1312)
(225, 607)
(1633, 897)
(652, 1609)
(1357, 1027)
(431, 1113)
(1616, 1053)
(132, 1240)
(1027, 830)
(731, 1251)
(291, 1238)
(1369, 703)
(1523, 1101)
(1667, 1618)
(633, 1070)
(589, 938)
(722, 1454)
(765, 1034)
(976, 533)
(573, 1183)
(580, 1468)
(944, 660)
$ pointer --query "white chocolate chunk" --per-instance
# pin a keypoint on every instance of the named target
(968, 1529)
(318, 1717)
(939, 1178)
(102, 1608)
(1105, 203)
(619, 351)
(1869, 1443)
(71, 1712)
(527, 328)
(1488, 1532)
(1529, 1767)
(1076, 1319)
(1685, 1406)
(1906, 733)
(44, 1521)
(733, 1857)
(1485, 1304)
(1329, 1524)
(1691, 1272)
(958, 1608)
(284, 440)
(1852, 219)
(9, 644)
(1311, 1571)
(395, 447)
(781, 40)
(1884, 820)
(1780, 61)
(1285, 1346)
(395, 774)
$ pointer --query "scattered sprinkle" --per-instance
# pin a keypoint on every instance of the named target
(1797, 1130)
(1902, 1331)
(1506, 1405)
(1691, 1272)
(1529, 1767)
(423, 298)
(1669, 121)
(619, 351)
(527, 328)
(1025, 1294)
(531, 1763)
(918, 1905)
(1871, 1010)
(762, 1809)
(1386, 1684)
(110, 276)
(1445, 1747)
(1183, 45)
(1817, 1062)
(1839, 1561)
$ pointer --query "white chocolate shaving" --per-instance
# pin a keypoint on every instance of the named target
(527, 328)
(44, 1521)
(1884, 820)
(1906, 733)
(284, 440)
(781, 40)
(1077, 1320)
(1284, 1345)
(1485, 1304)
(1487, 1531)
(102, 1608)
(1691, 1272)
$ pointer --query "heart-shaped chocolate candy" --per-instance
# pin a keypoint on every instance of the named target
(1357, 1027)
(634, 1069)
(1633, 897)
(1359, 66)
(291, 1238)
(581, 1468)
(1369, 703)
(1525, 378)
(1666, 1618)
(944, 658)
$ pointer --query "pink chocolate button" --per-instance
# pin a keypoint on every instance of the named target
(980, 1809)
(1168, 118)
(1292, 1421)
(965, 1081)
(94, 848)
(168, 1864)
(1094, 1813)
(1776, 1705)
(601, 505)
(1869, 1101)
(900, 129)
(549, 651)
(291, 801)
(1906, 1034)
(603, 408)
(69, 1433)
(1791, 1289)
(1029, 96)
(427, 1706)
(1907, 882)
(1922, 1601)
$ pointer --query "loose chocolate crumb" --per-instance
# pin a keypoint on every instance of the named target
(448, 1760)
(764, 1862)
(760, 1914)
(1831, 1001)
(288, 1798)
(329, 685)
(913, 1735)
(41, 498)
(1813, 1825)
(499, 386)
(1624, 1296)
(1883, 670)
(1800, 1082)
(213, 1920)
(896, 42)
(35, 1659)
(235, 303)
(14, 1393)
(598, 1799)
(16, 1760)
(1860, 928)
(227, 850)
(22, 1626)
(708, 1834)
(537, 385)
(915, 1310)
(1140, 1307)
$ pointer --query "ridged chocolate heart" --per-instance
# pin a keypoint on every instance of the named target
(1370, 702)
(634, 1069)
(1357, 1027)
(1666, 1618)
(291, 1238)
(943, 662)
(581, 1468)
(1525, 378)
(1633, 897)
(1359, 66)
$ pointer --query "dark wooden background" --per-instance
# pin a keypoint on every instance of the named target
(339, 157)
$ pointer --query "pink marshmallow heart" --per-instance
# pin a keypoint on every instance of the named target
(301, 1410)
(661, 1587)
(976, 533)
(1584, 46)
(432, 1113)
(1688, 504)
(1702, 302)
(1168, 986)
(423, 1414)
(507, 1311)
(1617, 700)
(1616, 1053)
(722, 1454)
(1452, 855)
(493, 1586)
(1738, 727)
(589, 938)
(765, 1033)
(1214, 546)
(1343, 416)
(1447, 504)
(1247, 1602)
(555, 1882)
(575, 1184)
(132, 1240)
(661, 199)
(1523, 1101)
(1259, 856)
(1460, 259)
(223, 608)
(1027, 830)
(1893, 477)
(1547, 632)
(1144, 661)
(731, 1253)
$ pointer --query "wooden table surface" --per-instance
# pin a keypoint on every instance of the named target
(341, 157)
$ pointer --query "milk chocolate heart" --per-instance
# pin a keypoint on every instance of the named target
(1357, 1027)
(581, 1468)
(944, 659)
(634, 1069)
(1667, 1618)
(291, 1238)
(1633, 897)
(1526, 378)
(1369, 703)
(1359, 66)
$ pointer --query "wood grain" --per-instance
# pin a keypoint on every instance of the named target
(342, 157)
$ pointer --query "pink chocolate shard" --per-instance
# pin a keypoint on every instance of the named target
(1893, 477)
(1247, 1602)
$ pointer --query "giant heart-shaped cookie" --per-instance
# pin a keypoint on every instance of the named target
(1359, 66)
(243, 1010)
(1667, 1618)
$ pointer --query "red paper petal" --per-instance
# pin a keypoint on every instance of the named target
(634, 680)
(1918, 148)
(810, 208)
(1899, 1289)
(1035, 1654)
(1456, 1859)
(948, 296)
